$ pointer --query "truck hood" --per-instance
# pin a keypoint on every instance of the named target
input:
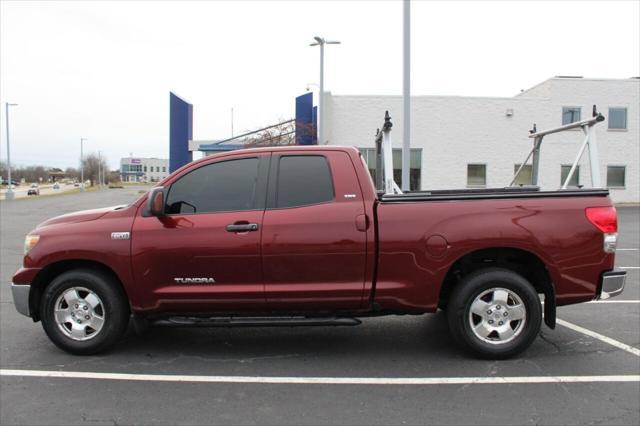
(80, 216)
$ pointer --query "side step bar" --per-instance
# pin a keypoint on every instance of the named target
(254, 321)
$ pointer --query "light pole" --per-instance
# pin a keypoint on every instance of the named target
(100, 169)
(82, 165)
(9, 195)
(321, 42)
(406, 95)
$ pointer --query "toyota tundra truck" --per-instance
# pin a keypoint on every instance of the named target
(295, 236)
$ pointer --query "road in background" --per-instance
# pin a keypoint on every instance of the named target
(21, 190)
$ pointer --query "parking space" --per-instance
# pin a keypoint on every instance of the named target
(390, 370)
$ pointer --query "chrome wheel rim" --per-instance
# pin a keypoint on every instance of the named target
(497, 316)
(79, 313)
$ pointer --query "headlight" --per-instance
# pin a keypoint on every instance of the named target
(30, 242)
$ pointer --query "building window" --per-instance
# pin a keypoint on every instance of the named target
(526, 175)
(164, 169)
(618, 118)
(564, 172)
(145, 168)
(616, 176)
(415, 165)
(476, 175)
(570, 115)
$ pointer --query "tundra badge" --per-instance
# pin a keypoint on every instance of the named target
(120, 235)
(194, 280)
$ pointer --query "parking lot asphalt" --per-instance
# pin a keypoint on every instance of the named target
(228, 373)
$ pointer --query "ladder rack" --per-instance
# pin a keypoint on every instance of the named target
(384, 159)
(588, 129)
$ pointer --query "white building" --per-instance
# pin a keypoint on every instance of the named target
(460, 142)
(137, 169)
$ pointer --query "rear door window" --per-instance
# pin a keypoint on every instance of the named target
(303, 180)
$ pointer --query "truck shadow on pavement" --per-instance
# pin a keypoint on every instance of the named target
(376, 337)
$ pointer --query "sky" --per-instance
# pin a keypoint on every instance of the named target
(103, 70)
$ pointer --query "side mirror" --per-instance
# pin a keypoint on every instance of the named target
(155, 202)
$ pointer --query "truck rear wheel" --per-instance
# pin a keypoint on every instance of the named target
(84, 312)
(494, 313)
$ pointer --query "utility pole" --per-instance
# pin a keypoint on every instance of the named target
(406, 95)
(82, 164)
(321, 42)
(9, 195)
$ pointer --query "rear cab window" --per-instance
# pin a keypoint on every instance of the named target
(303, 180)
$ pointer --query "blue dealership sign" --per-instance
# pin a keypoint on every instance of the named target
(180, 132)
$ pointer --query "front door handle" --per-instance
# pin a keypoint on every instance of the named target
(242, 227)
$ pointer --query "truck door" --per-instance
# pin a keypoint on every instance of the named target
(314, 233)
(204, 255)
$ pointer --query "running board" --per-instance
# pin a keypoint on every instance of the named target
(254, 321)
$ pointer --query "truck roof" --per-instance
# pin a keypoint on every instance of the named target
(280, 149)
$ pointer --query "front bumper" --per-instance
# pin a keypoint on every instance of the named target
(612, 284)
(20, 294)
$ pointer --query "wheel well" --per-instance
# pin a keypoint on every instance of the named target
(519, 261)
(50, 272)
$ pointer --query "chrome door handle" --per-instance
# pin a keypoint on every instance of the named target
(242, 227)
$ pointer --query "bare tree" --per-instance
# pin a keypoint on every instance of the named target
(72, 173)
(28, 173)
(282, 134)
(93, 164)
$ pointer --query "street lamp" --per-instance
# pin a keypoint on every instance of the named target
(319, 41)
(99, 169)
(9, 195)
(82, 165)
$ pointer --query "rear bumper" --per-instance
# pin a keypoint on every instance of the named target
(612, 284)
(20, 294)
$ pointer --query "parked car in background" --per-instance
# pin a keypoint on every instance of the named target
(56, 186)
(34, 185)
(33, 191)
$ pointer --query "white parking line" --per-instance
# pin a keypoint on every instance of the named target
(604, 302)
(600, 337)
(627, 249)
(320, 380)
(629, 267)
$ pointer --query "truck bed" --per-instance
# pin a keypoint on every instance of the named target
(488, 193)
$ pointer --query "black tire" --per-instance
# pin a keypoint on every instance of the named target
(484, 281)
(113, 308)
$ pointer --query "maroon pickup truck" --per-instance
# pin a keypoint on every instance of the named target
(300, 236)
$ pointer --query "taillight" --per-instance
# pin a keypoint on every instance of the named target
(604, 218)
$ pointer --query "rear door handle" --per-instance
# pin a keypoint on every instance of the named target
(242, 227)
(362, 222)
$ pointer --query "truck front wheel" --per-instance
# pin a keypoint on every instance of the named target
(494, 313)
(84, 312)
